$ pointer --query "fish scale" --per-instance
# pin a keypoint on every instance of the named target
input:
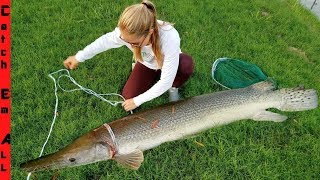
(185, 115)
(150, 128)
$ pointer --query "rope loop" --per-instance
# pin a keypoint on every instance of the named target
(89, 91)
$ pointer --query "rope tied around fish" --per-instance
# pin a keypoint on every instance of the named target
(114, 146)
(80, 88)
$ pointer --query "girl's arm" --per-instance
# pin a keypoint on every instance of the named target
(103, 43)
(171, 51)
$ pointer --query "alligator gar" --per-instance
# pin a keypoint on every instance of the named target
(124, 140)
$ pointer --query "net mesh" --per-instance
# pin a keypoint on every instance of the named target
(234, 73)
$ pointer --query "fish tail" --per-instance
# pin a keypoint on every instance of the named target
(298, 99)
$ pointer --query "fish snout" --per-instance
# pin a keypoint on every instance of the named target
(70, 156)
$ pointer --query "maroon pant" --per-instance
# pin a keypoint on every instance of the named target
(142, 78)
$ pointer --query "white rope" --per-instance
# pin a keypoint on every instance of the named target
(89, 91)
(113, 138)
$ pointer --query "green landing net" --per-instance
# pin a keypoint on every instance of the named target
(234, 73)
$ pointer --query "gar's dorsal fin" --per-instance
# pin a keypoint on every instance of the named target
(267, 85)
(132, 160)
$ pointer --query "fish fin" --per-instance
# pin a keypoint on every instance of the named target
(269, 116)
(132, 160)
(298, 99)
(267, 85)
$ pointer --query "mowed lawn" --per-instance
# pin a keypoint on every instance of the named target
(279, 36)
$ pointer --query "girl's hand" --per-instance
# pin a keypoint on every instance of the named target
(71, 62)
(129, 105)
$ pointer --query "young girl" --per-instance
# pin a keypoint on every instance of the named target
(160, 64)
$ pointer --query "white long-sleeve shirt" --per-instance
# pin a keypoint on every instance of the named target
(170, 47)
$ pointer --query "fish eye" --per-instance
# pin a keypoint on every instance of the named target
(72, 159)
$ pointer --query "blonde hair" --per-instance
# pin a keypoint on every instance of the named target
(138, 20)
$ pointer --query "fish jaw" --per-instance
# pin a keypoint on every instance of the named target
(84, 150)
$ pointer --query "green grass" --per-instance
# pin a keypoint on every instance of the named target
(279, 36)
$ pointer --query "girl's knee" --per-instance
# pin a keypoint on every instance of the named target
(186, 64)
(129, 93)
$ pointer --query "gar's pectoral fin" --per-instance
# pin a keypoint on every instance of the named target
(132, 160)
(269, 116)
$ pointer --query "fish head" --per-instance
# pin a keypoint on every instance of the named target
(84, 150)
